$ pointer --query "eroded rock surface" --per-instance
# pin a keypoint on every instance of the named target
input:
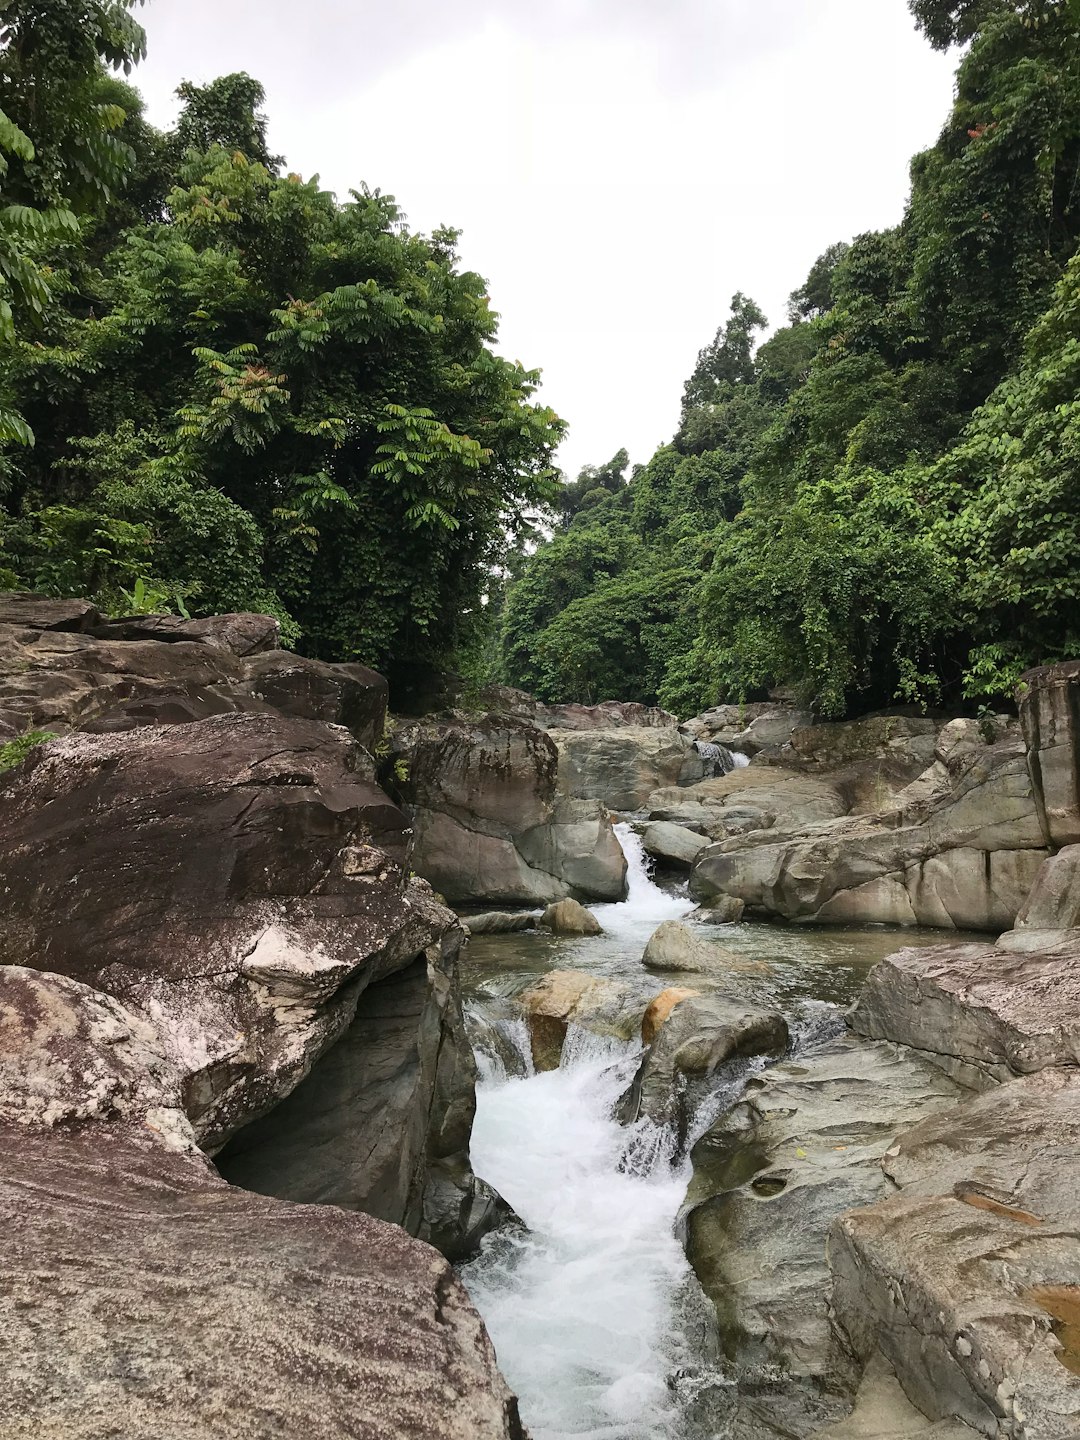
(961, 852)
(562, 998)
(63, 667)
(146, 1298)
(489, 826)
(238, 882)
(985, 1011)
(963, 1278)
(770, 1178)
(622, 767)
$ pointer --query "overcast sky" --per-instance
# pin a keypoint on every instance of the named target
(618, 167)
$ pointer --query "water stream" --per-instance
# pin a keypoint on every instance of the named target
(598, 1322)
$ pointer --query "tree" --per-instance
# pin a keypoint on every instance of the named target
(227, 112)
(59, 154)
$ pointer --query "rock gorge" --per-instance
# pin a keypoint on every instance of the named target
(229, 986)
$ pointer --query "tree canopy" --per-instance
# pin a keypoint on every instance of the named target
(879, 502)
(245, 392)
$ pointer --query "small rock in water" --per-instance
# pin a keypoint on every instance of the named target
(567, 917)
(564, 997)
(724, 910)
(659, 1009)
(497, 922)
(673, 845)
(674, 947)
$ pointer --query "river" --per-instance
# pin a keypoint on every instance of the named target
(599, 1324)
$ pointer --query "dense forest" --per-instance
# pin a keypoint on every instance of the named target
(881, 502)
(222, 387)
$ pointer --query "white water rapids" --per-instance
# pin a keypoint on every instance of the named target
(595, 1315)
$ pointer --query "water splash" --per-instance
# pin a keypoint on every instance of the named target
(646, 906)
(592, 1308)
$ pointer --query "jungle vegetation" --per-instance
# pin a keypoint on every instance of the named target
(881, 502)
(222, 387)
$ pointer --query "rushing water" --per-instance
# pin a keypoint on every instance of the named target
(598, 1322)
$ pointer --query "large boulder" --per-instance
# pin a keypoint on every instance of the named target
(1050, 715)
(983, 1010)
(699, 1035)
(238, 882)
(965, 859)
(674, 946)
(1053, 902)
(568, 917)
(968, 1279)
(562, 998)
(770, 1177)
(622, 767)
(147, 1298)
(672, 845)
(62, 667)
(489, 827)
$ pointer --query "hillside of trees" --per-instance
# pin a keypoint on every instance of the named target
(222, 387)
(881, 503)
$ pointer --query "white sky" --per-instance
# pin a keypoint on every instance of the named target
(618, 167)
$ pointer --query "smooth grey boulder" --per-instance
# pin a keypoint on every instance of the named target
(672, 845)
(623, 767)
(673, 946)
(145, 1298)
(580, 848)
(1053, 903)
(498, 922)
(1050, 715)
(699, 1034)
(567, 917)
(984, 1010)
(723, 911)
(770, 1177)
(969, 1279)
(488, 825)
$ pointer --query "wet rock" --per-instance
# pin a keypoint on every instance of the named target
(672, 845)
(130, 1268)
(562, 998)
(987, 1012)
(673, 946)
(770, 1178)
(623, 767)
(658, 1010)
(383, 1122)
(700, 1034)
(773, 797)
(488, 825)
(725, 910)
(1051, 721)
(498, 922)
(567, 917)
(964, 1277)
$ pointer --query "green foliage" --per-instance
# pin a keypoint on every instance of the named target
(882, 502)
(14, 752)
(294, 400)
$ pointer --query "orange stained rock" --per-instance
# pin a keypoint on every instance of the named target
(659, 1009)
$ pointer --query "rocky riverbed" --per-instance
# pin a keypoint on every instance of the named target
(774, 1167)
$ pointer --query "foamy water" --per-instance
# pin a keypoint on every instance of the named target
(596, 1318)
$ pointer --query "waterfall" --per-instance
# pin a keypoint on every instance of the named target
(592, 1308)
(646, 906)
